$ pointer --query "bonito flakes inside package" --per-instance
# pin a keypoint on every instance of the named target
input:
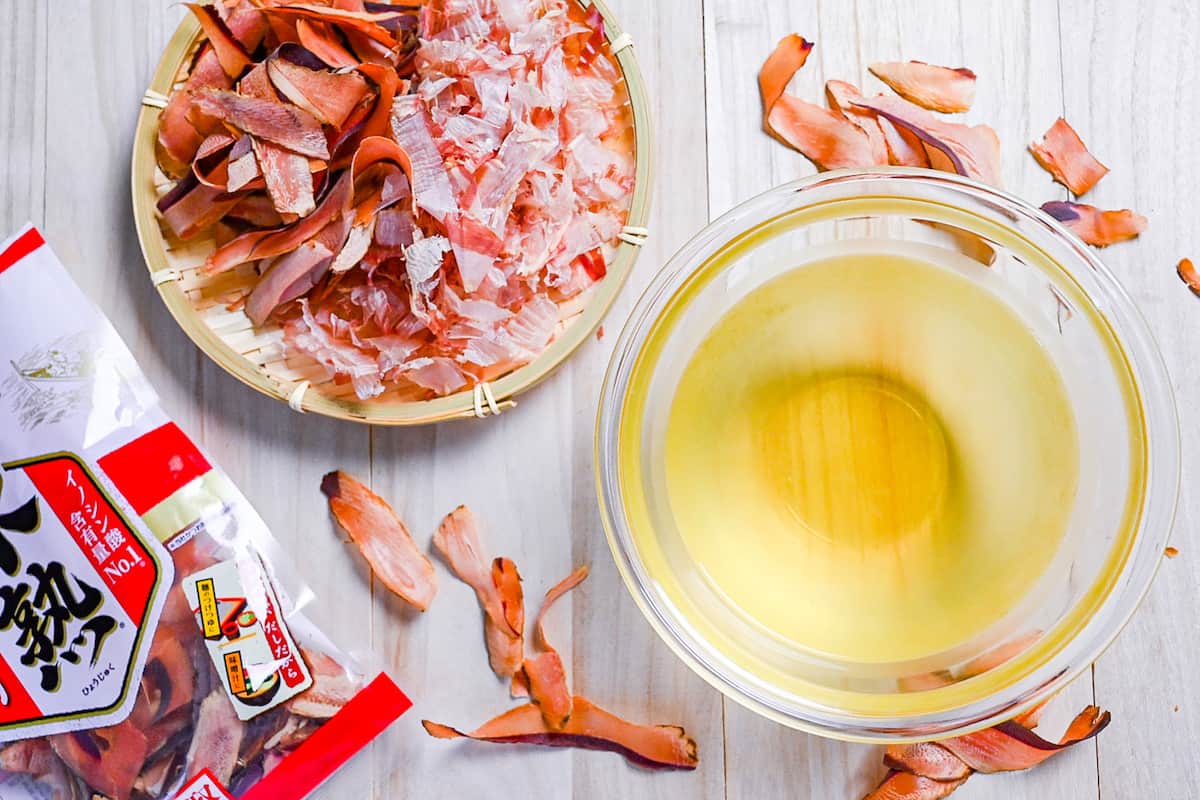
(152, 640)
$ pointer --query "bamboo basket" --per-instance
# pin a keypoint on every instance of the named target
(257, 358)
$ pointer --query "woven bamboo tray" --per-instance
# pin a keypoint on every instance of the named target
(256, 357)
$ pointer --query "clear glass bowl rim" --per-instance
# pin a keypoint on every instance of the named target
(1162, 469)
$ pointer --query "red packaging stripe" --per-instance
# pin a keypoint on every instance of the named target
(150, 469)
(24, 244)
(334, 743)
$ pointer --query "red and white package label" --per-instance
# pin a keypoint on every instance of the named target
(81, 586)
(203, 787)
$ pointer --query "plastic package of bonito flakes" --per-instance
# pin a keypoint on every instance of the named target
(153, 643)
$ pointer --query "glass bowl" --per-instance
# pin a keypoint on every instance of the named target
(1115, 382)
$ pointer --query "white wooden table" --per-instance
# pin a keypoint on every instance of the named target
(71, 75)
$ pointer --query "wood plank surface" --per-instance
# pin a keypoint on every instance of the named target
(71, 76)
(1140, 110)
(23, 57)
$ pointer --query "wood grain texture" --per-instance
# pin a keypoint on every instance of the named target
(102, 58)
(71, 75)
(1139, 111)
(23, 57)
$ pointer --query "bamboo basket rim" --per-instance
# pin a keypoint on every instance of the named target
(488, 398)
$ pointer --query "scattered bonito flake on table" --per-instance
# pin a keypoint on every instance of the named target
(970, 150)
(928, 85)
(382, 538)
(841, 97)
(865, 131)
(1187, 273)
(850, 134)
(828, 138)
(497, 586)
(933, 770)
(1064, 155)
(1094, 226)
(553, 717)
(542, 676)
(590, 728)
